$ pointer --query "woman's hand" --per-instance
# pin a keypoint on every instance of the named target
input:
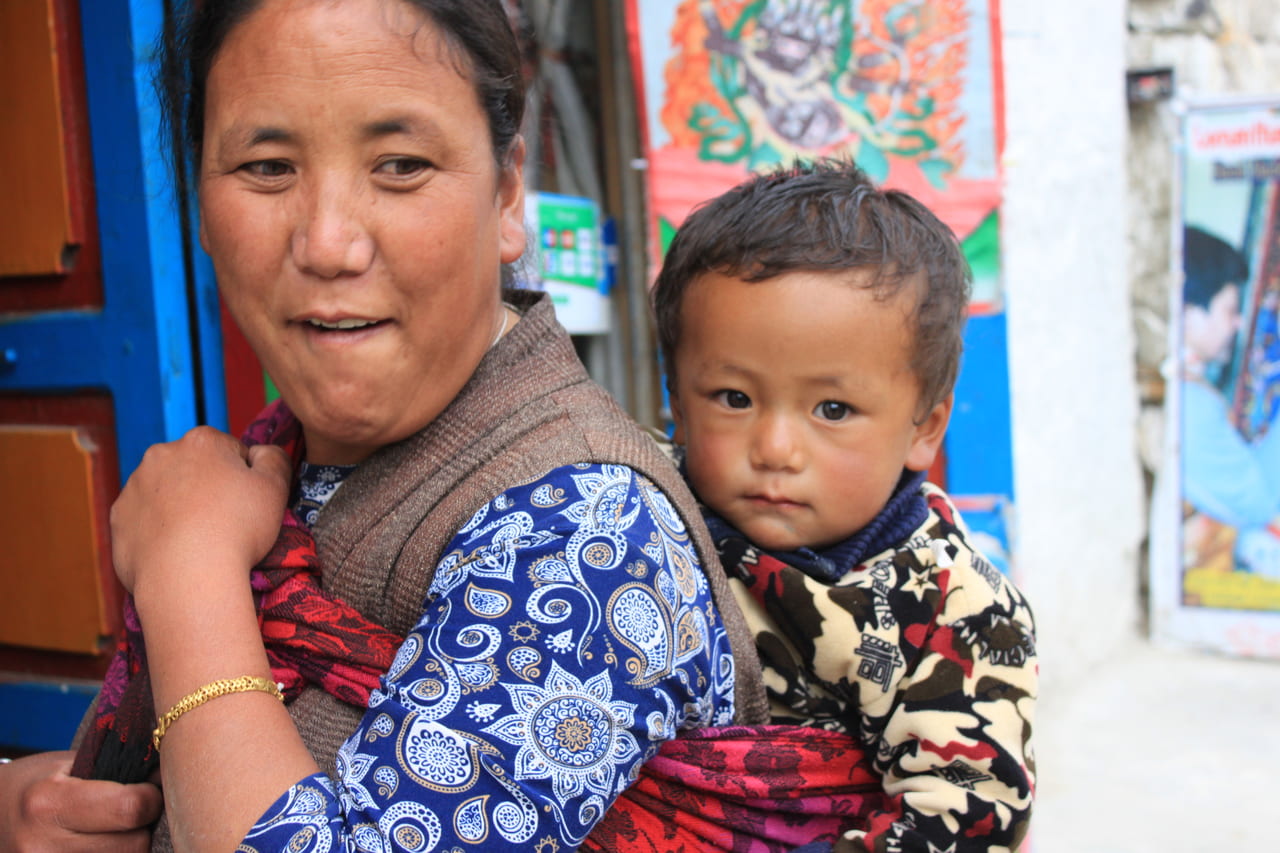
(203, 501)
(194, 518)
(42, 808)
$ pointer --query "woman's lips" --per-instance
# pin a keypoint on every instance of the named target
(346, 324)
(340, 329)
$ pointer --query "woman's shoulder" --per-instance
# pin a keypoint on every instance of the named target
(569, 496)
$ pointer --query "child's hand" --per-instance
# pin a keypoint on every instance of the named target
(199, 504)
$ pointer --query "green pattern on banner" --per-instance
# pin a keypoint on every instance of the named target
(982, 251)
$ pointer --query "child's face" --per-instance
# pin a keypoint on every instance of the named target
(795, 399)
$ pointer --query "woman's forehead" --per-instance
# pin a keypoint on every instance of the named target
(337, 32)
(385, 67)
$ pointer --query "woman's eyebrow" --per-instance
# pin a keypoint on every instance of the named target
(239, 136)
(386, 127)
(400, 125)
(397, 125)
(269, 134)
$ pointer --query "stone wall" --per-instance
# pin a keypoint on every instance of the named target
(1215, 47)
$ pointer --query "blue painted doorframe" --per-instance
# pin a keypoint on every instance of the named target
(139, 346)
(159, 319)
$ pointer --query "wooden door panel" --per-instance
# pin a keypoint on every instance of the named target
(58, 475)
(39, 235)
(79, 284)
(50, 559)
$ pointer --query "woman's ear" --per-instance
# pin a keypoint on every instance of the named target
(511, 233)
(928, 436)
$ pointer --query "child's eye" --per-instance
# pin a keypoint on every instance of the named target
(830, 410)
(733, 399)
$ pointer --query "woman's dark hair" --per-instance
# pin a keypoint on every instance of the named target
(828, 216)
(478, 31)
(1209, 264)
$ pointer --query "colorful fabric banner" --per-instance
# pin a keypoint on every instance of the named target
(909, 88)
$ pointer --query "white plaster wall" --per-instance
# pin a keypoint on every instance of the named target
(1076, 475)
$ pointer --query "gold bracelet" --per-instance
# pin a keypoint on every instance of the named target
(212, 690)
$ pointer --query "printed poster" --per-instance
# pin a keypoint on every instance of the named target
(909, 88)
(1219, 585)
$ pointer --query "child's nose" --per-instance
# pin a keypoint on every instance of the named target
(776, 445)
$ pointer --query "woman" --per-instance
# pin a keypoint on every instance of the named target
(360, 189)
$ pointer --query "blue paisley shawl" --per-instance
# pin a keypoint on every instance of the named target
(568, 633)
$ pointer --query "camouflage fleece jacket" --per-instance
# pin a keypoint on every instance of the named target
(926, 653)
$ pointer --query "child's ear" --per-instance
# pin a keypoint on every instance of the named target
(677, 415)
(928, 436)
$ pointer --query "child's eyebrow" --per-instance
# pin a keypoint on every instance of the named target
(723, 367)
(844, 382)
(833, 381)
(820, 379)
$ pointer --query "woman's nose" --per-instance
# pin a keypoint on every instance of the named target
(331, 240)
(775, 445)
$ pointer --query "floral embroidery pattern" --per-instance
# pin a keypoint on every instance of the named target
(568, 631)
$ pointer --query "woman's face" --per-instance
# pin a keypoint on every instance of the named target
(355, 215)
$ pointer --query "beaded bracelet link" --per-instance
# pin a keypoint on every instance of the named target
(213, 690)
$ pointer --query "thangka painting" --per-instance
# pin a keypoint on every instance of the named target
(1224, 401)
(908, 88)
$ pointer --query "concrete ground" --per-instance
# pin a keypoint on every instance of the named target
(1162, 751)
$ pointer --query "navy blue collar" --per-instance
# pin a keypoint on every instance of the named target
(905, 511)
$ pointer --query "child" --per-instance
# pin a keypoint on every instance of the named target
(811, 325)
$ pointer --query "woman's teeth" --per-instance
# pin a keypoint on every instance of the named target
(342, 324)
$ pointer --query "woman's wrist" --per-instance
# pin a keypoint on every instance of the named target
(201, 590)
(199, 633)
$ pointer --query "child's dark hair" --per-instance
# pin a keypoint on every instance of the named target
(827, 216)
(1208, 264)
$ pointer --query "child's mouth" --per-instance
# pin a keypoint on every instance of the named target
(775, 502)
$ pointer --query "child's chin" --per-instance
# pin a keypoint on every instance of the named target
(769, 538)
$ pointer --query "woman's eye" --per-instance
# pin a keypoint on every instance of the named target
(403, 167)
(733, 399)
(266, 168)
(830, 410)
